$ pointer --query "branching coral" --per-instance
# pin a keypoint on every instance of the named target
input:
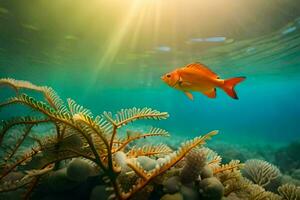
(79, 134)
(289, 192)
(261, 172)
(256, 192)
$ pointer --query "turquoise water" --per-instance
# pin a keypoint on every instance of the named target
(107, 57)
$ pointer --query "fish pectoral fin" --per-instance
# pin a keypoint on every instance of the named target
(211, 93)
(189, 95)
(185, 84)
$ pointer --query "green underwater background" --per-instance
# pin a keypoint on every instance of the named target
(110, 55)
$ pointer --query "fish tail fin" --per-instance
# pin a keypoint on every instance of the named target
(229, 85)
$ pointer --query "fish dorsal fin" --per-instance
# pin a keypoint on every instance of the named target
(189, 95)
(203, 68)
(211, 94)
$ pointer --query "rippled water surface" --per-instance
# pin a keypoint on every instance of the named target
(110, 55)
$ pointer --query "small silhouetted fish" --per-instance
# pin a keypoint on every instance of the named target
(210, 39)
(71, 37)
(30, 27)
(289, 30)
(250, 50)
(163, 48)
(215, 39)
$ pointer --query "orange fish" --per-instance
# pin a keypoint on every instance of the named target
(197, 77)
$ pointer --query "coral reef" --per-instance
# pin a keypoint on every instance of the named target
(287, 158)
(262, 173)
(98, 143)
(87, 157)
(289, 192)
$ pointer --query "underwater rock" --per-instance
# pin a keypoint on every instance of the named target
(172, 185)
(211, 189)
(120, 159)
(176, 196)
(206, 172)
(12, 195)
(59, 181)
(189, 193)
(78, 170)
(99, 192)
(146, 162)
(195, 161)
(161, 161)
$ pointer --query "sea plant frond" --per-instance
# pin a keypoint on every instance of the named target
(126, 116)
(49, 94)
(170, 160)
(231, 166)
(38, 172)
(53, 99)
(152, 132)
(96, 138)
(8, 124)
(19, 84)
(212, 158)
(8, 167)
(39, 106)
(7, 186)
(137, 168)
(149, 150)
(78, 109)
(91, 128)
(19, 141)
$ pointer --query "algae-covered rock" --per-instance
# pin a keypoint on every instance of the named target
(59, 181)
(78, 170)
(206, 172)
(211, 189)
(189, 193)
(176, 196)
(172, 185)
(195, 161)
(146, 162)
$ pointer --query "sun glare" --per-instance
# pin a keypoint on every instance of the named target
(132, 21)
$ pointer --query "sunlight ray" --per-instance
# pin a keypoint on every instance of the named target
(138, 26)
(157, 20)
(117, 38)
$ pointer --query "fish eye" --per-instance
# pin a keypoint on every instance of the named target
(168, 75)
